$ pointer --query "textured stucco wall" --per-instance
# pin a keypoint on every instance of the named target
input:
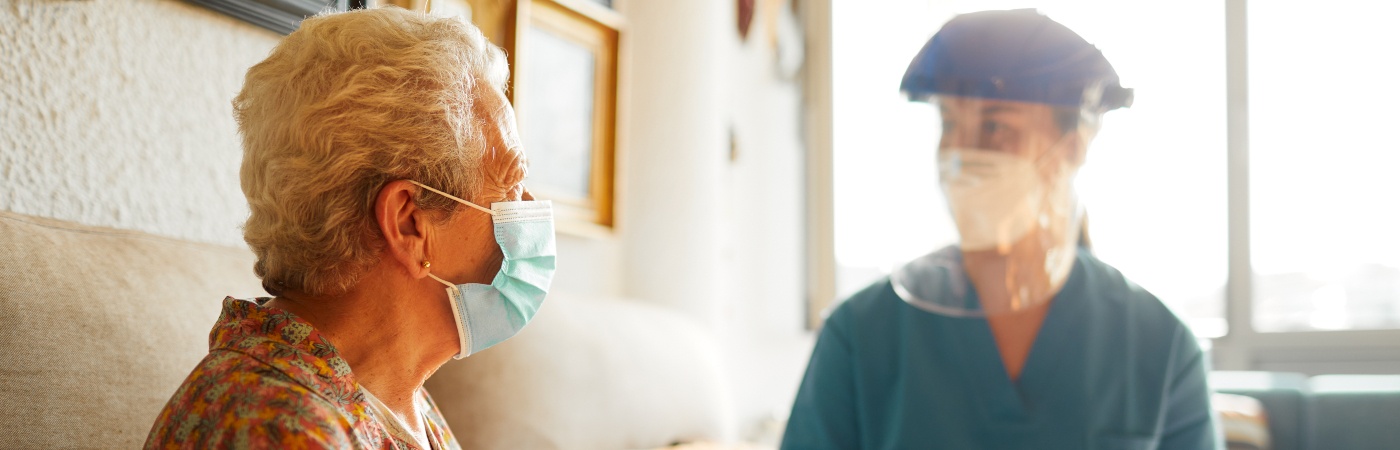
(116, 113)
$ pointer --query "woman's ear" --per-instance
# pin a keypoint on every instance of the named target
(404, 226)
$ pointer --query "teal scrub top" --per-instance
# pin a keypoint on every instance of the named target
(1111, 368)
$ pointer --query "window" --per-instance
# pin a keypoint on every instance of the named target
(1325, 231)
(887, 204)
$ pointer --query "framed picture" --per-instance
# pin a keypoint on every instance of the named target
(282, 16)
(565, 95)
(563, 56)
(495, 18)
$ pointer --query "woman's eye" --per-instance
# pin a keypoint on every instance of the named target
(991, 127)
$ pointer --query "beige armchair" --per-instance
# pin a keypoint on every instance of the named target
(99, 326)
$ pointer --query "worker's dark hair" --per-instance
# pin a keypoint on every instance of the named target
(1084, 241)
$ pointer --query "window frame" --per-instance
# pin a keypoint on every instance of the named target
(282, 17)
(1243, 347)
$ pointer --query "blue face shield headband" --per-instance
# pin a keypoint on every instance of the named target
(1017, 55)
(487, 315)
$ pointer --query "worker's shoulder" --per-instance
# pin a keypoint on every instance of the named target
(1118, 295)
(936, 277)
(875, 300)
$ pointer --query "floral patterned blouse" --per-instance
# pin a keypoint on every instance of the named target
(272, 381)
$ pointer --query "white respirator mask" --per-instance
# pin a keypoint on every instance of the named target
(996, 198)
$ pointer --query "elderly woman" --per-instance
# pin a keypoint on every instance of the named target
(372, 141)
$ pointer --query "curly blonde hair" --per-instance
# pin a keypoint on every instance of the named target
(347, 103)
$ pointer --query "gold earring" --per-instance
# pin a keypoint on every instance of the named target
(427, 264)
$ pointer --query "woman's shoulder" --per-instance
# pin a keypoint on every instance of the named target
(933, 278)
(1108, 282)
(1118, 298)
(441, 432)
(873, 301)
(234, 400)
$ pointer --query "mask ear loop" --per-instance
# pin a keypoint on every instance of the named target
(426, 264)
(440, 280)
(1050, 156)
(464, 202)
(1044, 156)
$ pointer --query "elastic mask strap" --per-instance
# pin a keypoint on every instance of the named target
(1044, 158)
(440, 280)
(464, 202)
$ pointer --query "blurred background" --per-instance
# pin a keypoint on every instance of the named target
(748, 164)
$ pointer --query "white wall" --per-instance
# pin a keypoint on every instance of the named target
(765, 255)
(675, 147)
(116, 113)
(718, 239)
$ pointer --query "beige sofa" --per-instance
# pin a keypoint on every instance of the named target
(99, 326)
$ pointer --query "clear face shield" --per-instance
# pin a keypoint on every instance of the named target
(1007, 171)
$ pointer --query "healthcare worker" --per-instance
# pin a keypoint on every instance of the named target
(1017, 337)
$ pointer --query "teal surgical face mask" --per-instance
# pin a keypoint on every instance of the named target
(489, 314)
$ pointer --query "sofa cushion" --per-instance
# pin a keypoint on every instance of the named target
(1285, 399)
(1290, 422)
(589, 374)
(1243, 421)
(98, 327)
(1356, 411)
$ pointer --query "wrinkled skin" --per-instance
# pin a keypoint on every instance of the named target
(465, 249)
(503, 166)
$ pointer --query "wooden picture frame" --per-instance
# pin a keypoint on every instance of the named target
(281, 16)
(445, 8)
(565, 91)
(572, 149)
